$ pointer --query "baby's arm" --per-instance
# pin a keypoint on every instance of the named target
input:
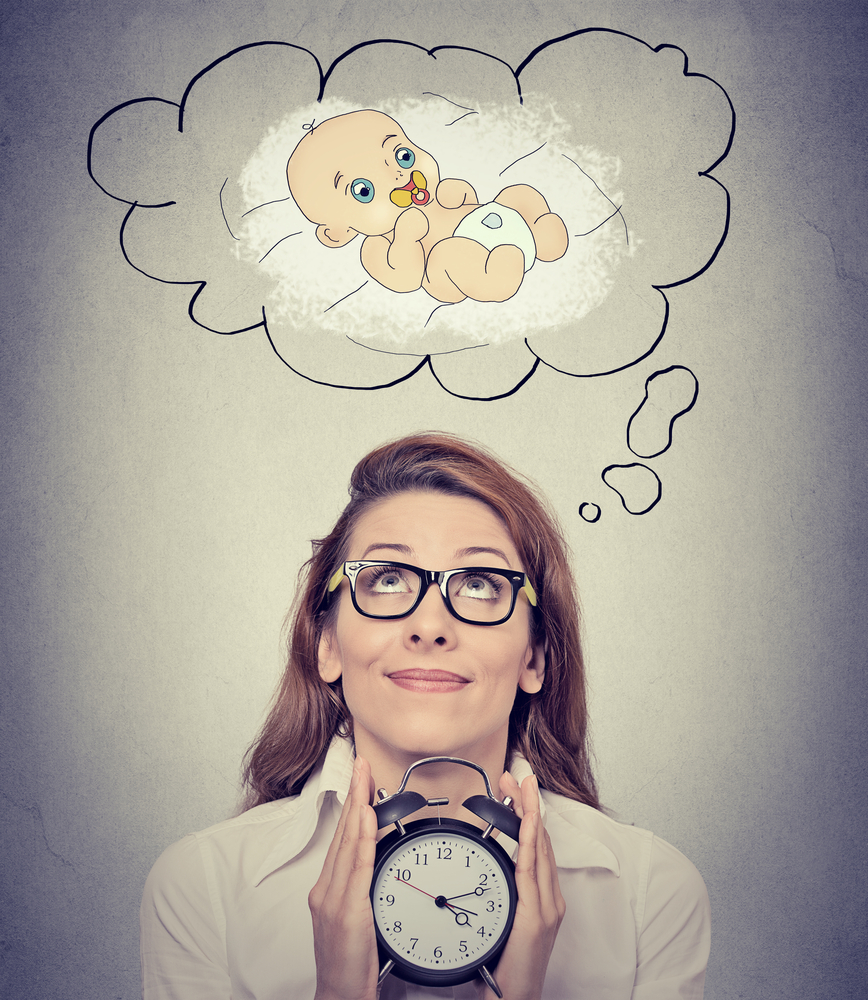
(398, 264)
(453, 193)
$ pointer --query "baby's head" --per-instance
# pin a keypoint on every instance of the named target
(357, 173)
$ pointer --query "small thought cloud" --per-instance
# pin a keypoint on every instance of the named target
(638, 486)
(617, 137)
(669, 394)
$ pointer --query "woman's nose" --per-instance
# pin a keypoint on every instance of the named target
(431, 623)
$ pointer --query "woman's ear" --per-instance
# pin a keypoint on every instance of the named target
(330, 665)
(534, 673)
(335, 237)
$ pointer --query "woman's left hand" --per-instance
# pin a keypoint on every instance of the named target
(521, 971)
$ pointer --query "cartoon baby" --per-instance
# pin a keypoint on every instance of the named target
(359, 173)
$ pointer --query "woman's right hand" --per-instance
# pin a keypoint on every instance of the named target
(345, 947)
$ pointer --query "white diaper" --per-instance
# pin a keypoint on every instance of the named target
(494, 225)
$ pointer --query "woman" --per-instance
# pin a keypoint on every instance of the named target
(385, 669)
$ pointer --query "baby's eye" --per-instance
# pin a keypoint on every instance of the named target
(362, 190)
(405, 157)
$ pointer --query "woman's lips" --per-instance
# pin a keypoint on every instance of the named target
(428, 680)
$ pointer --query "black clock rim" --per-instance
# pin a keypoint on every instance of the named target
(418, 975)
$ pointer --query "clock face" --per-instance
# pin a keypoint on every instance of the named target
(443, 899)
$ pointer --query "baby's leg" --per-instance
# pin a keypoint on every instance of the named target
(458, 267)
(548, 229)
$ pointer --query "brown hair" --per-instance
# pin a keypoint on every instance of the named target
(548, 728)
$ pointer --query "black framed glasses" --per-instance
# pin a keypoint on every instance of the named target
(478, 595)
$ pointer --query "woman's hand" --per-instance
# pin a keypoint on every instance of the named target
(521, 971)
(344, 944)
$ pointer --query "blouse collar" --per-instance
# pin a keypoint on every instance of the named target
(573, 847)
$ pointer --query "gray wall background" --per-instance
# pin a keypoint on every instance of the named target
(160, 485)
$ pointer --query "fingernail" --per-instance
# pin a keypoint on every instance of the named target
(355, 780)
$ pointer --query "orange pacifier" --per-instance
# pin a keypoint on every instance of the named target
(414, 192)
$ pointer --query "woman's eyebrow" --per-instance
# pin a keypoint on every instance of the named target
(388, 137)
(338, 176)
(405, 550)
(470, 550)
(475, 550)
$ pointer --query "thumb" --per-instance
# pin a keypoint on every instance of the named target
(509, 786)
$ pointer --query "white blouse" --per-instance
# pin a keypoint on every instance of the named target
(225, 916)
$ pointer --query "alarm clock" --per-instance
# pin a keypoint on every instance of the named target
(443, 892)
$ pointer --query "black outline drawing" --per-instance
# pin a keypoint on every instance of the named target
(596, 517)
(535, 358)
(651, 378)
(633, 465)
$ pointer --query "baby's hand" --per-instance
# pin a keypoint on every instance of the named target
(398, 261)
(453, 193)
(411, 227)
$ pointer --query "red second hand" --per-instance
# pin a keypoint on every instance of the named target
(416, 887)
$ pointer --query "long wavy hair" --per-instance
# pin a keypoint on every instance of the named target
(548, 728)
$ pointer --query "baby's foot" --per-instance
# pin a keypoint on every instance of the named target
(504, 272)
(459, 267)
(550, 237)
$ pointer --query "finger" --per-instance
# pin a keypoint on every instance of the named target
(329, 863)
(525, 864)
(509, 786)
(362, 870)
(560, 902)
(367, 781)
(546, 875)
(339, 858)
(528, 836)
(551, 901)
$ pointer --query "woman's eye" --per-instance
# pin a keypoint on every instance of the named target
(387, 582)
(363, 190)
(484, 588)
(405, 157)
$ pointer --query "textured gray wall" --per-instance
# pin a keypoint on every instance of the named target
(160, 485)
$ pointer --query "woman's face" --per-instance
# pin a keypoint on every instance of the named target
(428, 684)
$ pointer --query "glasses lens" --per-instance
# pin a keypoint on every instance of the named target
(386, 590)
(480, 595)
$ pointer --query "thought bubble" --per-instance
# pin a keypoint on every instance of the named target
(619, 138)
(590, 512)
(669, 394)
(638, 486)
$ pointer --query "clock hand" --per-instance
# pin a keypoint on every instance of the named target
(416, 887)
(476, 892)
(462, 909)
(459, 911)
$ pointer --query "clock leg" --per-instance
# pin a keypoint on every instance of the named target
(489, 981)
(387, 968)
